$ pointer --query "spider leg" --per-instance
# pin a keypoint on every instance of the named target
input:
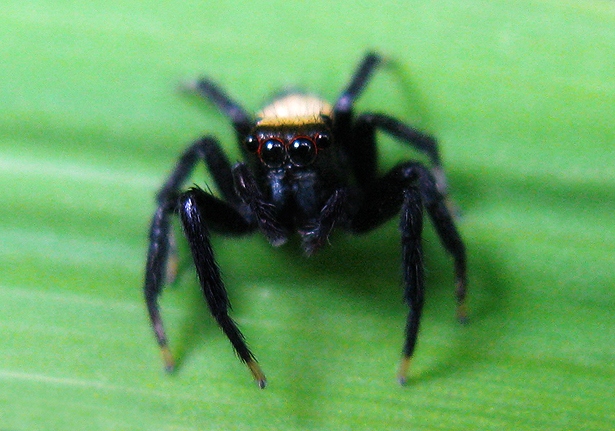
(359, 80)
(442, 220)
(363, 145)
(208, 150)
(207, 89)
(197, 209)
(155, 274)
(161, 256)
(410, 187)
(364, 156)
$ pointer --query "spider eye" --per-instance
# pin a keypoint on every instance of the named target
(252, 144)
(302, 152)
(272, 153)
(323, 140)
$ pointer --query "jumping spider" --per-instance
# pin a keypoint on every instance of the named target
(310, 167)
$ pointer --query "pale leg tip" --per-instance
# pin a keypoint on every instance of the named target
(167, 357)
(402, 371)
(462, 314)
(258, 374)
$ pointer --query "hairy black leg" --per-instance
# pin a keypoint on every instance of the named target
(209, 151)
(195, 211)
(436, 207)
(262, 211)
(155, 274)
(411, 186)
(161, 259)
(411, 226)
(385, 197)
(442, 219)
(239, 117)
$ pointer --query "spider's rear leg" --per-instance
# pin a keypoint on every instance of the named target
(365, 152)
(410, 187)
(434, 202)
(441, 215)
(357, 84)
(207, 89)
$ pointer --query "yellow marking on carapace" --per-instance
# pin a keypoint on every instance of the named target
(294, 109)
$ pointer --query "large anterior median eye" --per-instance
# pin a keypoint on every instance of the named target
(302, 152)
(273, 153)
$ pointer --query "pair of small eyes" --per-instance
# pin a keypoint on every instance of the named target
(301, 151)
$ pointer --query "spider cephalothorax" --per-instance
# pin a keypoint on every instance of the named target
(309, 168)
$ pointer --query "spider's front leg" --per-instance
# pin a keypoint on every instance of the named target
(410, 187)
(161, 252)
(198, 210)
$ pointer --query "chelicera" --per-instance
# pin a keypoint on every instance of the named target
(309, 167)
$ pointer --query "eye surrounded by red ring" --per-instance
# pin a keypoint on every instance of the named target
(302, 151)
(272, 153)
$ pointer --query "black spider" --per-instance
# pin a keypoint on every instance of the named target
(310, 167)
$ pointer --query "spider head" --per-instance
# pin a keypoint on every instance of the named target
(291, 131)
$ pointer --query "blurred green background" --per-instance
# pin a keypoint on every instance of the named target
(520, 95)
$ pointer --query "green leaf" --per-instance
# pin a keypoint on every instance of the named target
(520, 95)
